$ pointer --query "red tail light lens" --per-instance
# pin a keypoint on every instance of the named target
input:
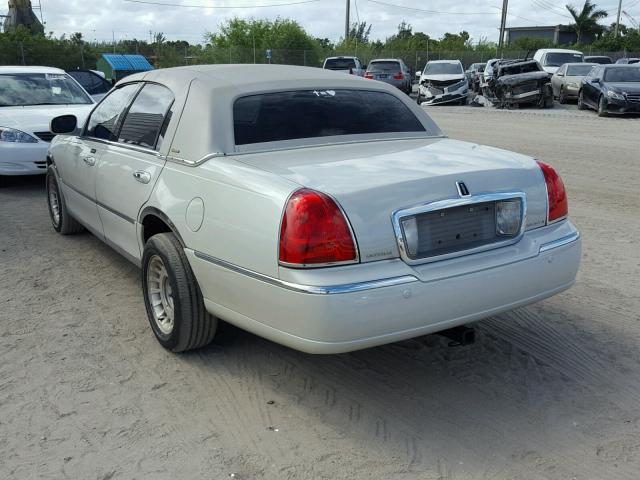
(558, 203)
(314, 231)
(368, 75)
(398, 76)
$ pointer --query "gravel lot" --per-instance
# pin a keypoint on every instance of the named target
(551, 391)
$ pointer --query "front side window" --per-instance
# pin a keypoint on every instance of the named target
(144, 121)
(105, 119)
(272, 117)
(28, 89)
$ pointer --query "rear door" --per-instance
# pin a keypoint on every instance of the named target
(130, 166)
(78, 167)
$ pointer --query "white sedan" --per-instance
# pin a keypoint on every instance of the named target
(319, 210)
(29, 98)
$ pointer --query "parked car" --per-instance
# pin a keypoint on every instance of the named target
(351, 65)
(29, 98)
(600, 59)
(553, 58)
(628, 61)
(93, 82)
(317, 210)
(443, 81)
(487, 73)
(392, 71)
(474, 75)
(566, 81)
(518, 82)
(611, 89)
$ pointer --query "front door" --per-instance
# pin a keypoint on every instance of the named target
(130, 166)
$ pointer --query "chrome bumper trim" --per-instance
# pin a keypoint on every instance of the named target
(312, 289)
(545, 247)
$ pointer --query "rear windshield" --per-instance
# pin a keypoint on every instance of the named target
(631, 74)
(600, 60)
(579, 70)
(384, 67)
(339, 63)
(273, 117)
(442, 69)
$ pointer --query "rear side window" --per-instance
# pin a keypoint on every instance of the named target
(339, 63)
(144, 121)
(273, 117)
(384, 67)
(105, 119)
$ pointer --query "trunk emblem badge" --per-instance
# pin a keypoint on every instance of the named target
(463, 191)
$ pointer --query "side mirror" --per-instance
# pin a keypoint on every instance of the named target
(596, 80)
(64, 124)
(560, 74)
(418, 73)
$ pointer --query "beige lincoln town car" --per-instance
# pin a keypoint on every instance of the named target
(319, 210)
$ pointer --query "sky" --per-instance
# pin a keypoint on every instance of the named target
(127, 19)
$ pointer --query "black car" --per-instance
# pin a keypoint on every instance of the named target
(611, 89)
(601, 59)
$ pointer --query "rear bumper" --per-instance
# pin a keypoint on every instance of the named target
(23, 158)
(341, 317)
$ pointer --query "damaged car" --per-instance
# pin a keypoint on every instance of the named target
(443, 81)
(519, 82)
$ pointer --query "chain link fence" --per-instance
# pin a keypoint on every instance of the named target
(69, 55)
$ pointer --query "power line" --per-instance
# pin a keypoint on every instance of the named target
(221, 7)
(394, 5)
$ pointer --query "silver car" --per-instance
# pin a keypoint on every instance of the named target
(566, 81)
(392, 71)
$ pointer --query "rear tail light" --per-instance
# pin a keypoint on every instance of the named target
(398, 76)
(315, 232)
(368, 75)
(558, 205)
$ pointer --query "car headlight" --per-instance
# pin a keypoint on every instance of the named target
(572, 85)
(614, 95)
(15, 136)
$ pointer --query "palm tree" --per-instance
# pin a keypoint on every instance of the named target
(586, 21)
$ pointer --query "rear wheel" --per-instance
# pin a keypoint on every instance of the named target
(172, 297)
(419, 99)
(602, 107)
(562, 98)
(61, 219)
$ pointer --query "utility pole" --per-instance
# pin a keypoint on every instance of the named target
(615, 32)
(503, 24)
(346, 21)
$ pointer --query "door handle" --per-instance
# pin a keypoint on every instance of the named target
(89, 160)
(142, 176)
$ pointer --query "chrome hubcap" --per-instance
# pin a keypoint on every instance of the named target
(54, 203)
(160, 294)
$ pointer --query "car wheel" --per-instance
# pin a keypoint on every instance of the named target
(464, 101)
(581, 105)
(562, 98)
(419, 99)
(61, 219)
(602, 107)
(172, 297)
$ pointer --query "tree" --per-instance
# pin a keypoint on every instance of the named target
(586, 21)
(360, 32)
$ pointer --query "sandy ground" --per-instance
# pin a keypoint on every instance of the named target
(551, 391)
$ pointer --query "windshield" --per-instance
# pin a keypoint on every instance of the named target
(442, 69)
(579, 70)
(339, 63)
(631, 74)
(555, 59)
(24, 89)
(273, 117)
(384, 67)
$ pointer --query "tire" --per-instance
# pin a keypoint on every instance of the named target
(62, 221)
(602, 107)
(548, 102)
(464, 101)
(581, 105)
(172, 297)
(562, 98)
(419, 99)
